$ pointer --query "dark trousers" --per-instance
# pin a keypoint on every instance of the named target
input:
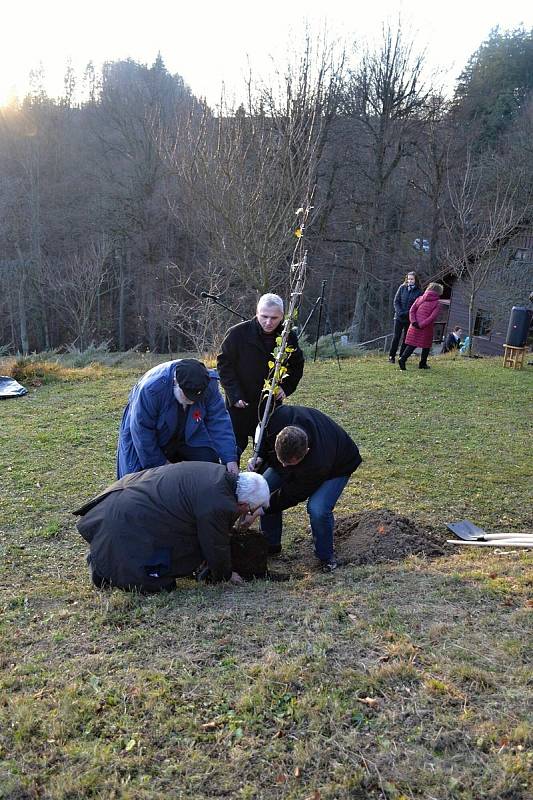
(400, 332)
(179, 451)
(244, 421)
(409, 350)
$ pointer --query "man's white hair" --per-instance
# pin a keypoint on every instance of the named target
(270, 299)
(253, 490)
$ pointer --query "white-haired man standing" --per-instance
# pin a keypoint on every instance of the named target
(243, 365)
(151, 527)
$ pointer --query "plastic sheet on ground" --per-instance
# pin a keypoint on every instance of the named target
(10, 388)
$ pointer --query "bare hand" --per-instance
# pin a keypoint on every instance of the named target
(244, 522)
(253, 465)
(232, 467)
(240, 404)
(236, 579)
(281, 394)
(259, 512)
(248, 519)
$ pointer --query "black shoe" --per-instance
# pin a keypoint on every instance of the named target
(330, 565)
(274, 549)
(401, 364)
(424, 366)
(392, 359)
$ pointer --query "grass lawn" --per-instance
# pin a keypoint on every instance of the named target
(403, 680)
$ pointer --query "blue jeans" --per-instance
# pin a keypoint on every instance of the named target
(319, 507)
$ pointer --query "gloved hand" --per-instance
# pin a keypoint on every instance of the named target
(415, 325)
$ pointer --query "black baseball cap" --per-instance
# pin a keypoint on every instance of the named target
(192, 377)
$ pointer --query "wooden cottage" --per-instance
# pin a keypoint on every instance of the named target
(510, 285)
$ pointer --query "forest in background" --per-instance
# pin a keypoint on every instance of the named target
(118, 210)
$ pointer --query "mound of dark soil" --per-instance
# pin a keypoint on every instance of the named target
(370, 537)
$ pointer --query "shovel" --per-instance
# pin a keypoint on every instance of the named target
(466, 530)
(494, 542)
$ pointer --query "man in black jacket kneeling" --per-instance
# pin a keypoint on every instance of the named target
(151, 527)
(307, 457)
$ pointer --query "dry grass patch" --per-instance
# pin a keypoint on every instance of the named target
(406, 679)
(36, 373)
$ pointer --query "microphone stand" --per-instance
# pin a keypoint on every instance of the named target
(321, 304)
(214, 298)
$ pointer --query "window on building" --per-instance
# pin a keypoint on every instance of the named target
(523, 254)
(483, 323)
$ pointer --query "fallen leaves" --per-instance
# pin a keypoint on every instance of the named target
(210, 726)
(371, 702)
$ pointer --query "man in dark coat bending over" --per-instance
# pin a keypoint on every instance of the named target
(243, 365)
(308, 457)
(159, 524)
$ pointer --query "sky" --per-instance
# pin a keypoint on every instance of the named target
(209, 43)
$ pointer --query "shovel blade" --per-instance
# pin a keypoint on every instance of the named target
(465, 529)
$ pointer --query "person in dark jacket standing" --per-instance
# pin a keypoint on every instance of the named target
(175, 413)
(423, 314)
(307, 457)
(153, 526)
(243, 365)
(404, 298)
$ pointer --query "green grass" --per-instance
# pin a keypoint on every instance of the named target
(408, 680)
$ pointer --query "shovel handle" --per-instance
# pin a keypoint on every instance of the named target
(497, 543)
(511, 535)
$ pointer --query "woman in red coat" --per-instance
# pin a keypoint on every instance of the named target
(422, 315)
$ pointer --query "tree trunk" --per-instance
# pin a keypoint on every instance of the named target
(471, 302)
(45, 325)
(122, 299)
(24, 344)
(358, 319)
(121, 312)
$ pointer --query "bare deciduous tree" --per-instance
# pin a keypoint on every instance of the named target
(77, 284)
(200, 324)
(482, 215)
(385, 102)
(247, 172)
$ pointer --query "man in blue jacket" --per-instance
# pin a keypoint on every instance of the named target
(175, 413)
